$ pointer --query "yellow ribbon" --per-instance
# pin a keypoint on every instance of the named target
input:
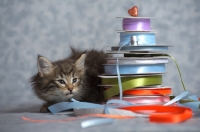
(129, 83)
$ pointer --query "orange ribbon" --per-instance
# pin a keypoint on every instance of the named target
(164, 114)
(156, 91)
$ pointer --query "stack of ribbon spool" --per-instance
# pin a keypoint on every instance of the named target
(140, 63)
(134, 69)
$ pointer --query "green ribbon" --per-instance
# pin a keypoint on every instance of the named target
(129, 83)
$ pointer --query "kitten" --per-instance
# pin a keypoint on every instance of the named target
(74, 77)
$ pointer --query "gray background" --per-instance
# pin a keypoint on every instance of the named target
(48, 27)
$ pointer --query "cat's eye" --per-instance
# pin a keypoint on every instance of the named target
(74, 80)
(61, 81)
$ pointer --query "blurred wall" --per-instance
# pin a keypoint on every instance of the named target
(48, 27)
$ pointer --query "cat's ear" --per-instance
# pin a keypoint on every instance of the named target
(44, 66)
(80, 63)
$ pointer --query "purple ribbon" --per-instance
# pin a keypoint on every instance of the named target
(136, 24)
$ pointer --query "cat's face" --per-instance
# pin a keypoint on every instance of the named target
(60, 81)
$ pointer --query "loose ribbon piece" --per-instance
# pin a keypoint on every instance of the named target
(118, 73)
(46, 121)
(177, 98)
(70, 105)
(187, 100)
(164, 114)
(159, 114)
(94, 122)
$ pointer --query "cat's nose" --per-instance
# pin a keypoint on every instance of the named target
(70, 89)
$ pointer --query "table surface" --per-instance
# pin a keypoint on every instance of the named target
(11, 121)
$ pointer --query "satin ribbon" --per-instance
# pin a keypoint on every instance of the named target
(135, 68)
(134, 48)
(94, 122)
(145, 100)
(129, 83)
(136, 24)
(145, 91)
(143, 38)
(163, 114)
(149, 91)
(158, 114)
(137, 61)
(187, 100)
(71, 105)
(156, 55)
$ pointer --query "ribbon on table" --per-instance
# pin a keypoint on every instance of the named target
(145, 48)
(136, 24)
(163, 114)
(134, 68)
(143, 38)
(129, 83)
(71, 105)
(158, 114)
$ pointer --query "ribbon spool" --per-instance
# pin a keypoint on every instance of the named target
(110, 69)
(149, 91)
(145, 100)
(129, 83)
(136, 24)
(141, 60)
(145, 38)
(143, 48)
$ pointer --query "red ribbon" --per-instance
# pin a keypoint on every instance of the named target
(149, 91)
(164, 114)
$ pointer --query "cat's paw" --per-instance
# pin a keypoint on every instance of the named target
(44, 109)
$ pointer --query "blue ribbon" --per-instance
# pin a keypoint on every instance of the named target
(94, 122)
(146, 48)
(70, 105)
(194, 104)
(143, 38)
(135, 68)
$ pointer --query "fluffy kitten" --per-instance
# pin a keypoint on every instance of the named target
(74, 77)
